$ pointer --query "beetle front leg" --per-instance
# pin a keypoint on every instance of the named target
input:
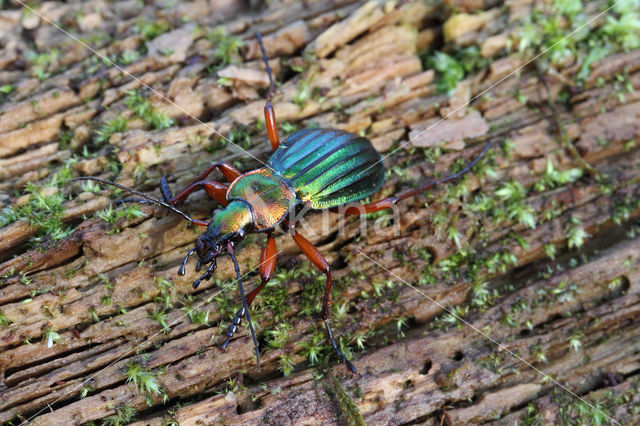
(320, 262)
(267, 265)
(229, 172)
(216, 190)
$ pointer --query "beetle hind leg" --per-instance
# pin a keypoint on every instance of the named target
(334, 345)
(320, 262)
(389, 202)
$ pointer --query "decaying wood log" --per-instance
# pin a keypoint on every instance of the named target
(508, 297)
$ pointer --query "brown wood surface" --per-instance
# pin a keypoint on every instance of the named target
(555, 339)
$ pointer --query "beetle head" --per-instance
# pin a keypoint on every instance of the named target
(228, 225)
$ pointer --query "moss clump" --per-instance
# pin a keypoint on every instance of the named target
(44, 208)
(150, 30)
(349, 408)
(225, 46)
(123, 416)
(452, 68)
(143, 109)
(117, 125)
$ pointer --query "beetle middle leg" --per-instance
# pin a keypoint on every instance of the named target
(320, 262)
(267, 265)
(269, 113)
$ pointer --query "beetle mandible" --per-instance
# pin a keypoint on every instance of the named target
(315, 168)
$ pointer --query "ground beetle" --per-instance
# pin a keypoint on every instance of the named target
(314, 168)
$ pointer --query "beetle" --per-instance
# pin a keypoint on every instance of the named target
(313, 168)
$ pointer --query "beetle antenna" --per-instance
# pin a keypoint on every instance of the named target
(245, 305)
(272, 85)
(136, 192)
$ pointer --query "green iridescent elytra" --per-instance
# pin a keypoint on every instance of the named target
(321, 168)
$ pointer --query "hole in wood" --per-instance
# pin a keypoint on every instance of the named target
(426, 368)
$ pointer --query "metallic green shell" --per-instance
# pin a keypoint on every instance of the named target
(270, 197)
(237, 215)
(328, 168)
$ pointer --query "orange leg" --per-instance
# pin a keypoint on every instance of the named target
(272, 129)
(230, 174)
(267, 265)
(216, 190)
(320, 262)
(269, 113)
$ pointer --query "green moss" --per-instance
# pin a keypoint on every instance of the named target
(303, 94)
(575, 340)
(165, 292)
(50, 336)
(576, 235)
(145, 380)
(111, 216)
(150, 30)
(622, 28)
(225, 46)
(350, 411)
(553, 178)
(286, 364)
(453, 317)
(240, 136)
(86, 389)
(41, 62)
(5, 91)
(4, 321)
(44, 209)
(143, 109)
(116, 125)
(315, 348)
(278, 336)
(160, 316)
(196, 316)
(273, 301)
(587, 411)
(453, 68)
(545, 31)
(123, 416)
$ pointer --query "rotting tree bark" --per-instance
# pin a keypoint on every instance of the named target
(573, 316)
